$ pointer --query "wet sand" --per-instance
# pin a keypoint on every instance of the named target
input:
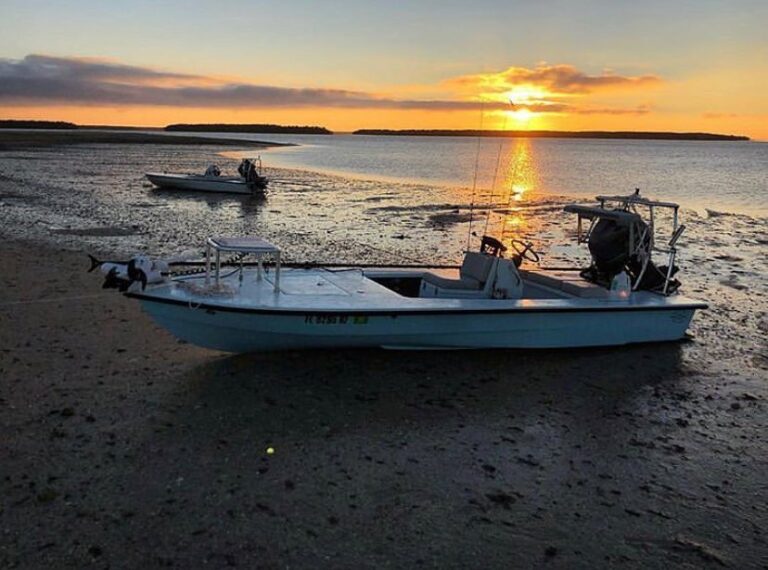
(123, 448)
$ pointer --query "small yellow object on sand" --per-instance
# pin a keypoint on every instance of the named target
(270, 450)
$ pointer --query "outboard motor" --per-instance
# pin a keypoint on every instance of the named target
(621, 243)
(609, 246)
(243, 167)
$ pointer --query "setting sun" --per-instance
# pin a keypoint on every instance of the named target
(521, 115)
(525, 94)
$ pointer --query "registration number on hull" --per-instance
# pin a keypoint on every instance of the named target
(335, 320)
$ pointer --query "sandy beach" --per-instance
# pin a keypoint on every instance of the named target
(121, 447)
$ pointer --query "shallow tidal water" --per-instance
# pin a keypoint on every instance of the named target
(719, 176)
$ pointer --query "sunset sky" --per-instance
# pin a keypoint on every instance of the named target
(573, 65)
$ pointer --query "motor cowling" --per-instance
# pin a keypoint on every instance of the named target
(609, 246)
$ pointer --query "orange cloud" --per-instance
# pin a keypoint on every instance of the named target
(719, 115)
(555, 79)
(553, 89)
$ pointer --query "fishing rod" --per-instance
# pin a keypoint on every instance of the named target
(502, 141)
(474, 177)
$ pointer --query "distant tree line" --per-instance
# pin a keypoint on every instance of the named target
(554, 134)
(257, 128)
(314, 130)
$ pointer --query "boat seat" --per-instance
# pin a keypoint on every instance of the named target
(476, 266)
(444, 283)
(546, 279)
(585, 289)
(472, 275)
(567, 282)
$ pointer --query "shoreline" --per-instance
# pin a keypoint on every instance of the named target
(13, 139)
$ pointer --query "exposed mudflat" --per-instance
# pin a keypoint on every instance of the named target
(120, 447)
(13, 139)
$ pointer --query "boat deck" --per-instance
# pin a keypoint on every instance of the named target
(353, 290)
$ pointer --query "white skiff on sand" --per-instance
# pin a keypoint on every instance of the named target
(487, 302)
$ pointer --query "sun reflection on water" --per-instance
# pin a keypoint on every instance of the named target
(521, 174)
(519, 180)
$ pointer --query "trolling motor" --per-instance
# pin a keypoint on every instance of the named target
(121, 275)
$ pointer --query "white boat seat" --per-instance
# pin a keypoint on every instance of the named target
(444, 283)
(567, 281)
(546, 279)
(476, 266)
(585, 289)
(472, 275)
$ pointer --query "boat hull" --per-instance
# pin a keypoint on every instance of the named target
(252, 330)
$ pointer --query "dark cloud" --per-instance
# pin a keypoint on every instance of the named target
(38, 79)
(544, 107)
(81, 69)
(44, 80)
(639, 110)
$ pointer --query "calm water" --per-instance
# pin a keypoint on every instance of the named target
(720, 176)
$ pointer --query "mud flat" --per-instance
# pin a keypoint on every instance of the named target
(122, 447)
(35, 138)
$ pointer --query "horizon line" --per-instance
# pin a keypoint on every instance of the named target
(384, 132)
